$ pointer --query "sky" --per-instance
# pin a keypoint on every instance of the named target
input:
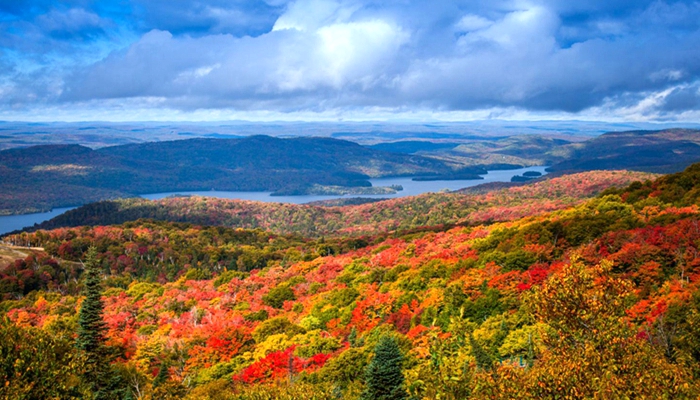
(326, 60)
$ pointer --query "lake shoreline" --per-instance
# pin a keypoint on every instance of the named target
(410, 187)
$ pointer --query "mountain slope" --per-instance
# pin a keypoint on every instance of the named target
(41, 177)
(402, 213)
(662, 151)
(596, 300)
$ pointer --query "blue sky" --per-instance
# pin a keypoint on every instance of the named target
(611, 60)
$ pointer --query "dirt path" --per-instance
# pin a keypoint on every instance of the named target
(10, 253)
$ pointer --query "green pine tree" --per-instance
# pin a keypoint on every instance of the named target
(91, 328)
(384, 376)
(352, 338)
(483, 358)
(162, 376)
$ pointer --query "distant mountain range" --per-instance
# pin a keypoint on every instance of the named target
(663, 151)
(41, 177)
(405, 213)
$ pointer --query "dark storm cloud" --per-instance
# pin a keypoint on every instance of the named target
(75, 23)
(682, 99)
(539, 55)
(239, 18)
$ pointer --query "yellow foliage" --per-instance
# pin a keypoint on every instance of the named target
(520, 341)
(148, 351)
(590, 351)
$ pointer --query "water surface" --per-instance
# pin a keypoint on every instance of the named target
(410, 188)
(11, 223)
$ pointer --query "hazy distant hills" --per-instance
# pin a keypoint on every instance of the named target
(100, 134)
(41, 177)
(413, 146)
(653, 151)
(348, 219)
(662, 151)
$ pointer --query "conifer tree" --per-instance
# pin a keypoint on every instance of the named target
(384, 376)
(483, 359)
(91, 327)
(162, 376)
(354, 340)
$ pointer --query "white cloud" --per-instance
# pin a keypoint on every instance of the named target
(327, 57)
(356, 51)
(471, 22)
(311, 15)
(526, 28)
(666, 75)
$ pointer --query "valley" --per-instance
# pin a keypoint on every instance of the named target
(39, 178)
(48, 176)
(349, 199)
(409, 187)
(250, 293)
(236, 299)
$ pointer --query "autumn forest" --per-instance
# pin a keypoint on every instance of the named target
(579, 286)
(349, 199)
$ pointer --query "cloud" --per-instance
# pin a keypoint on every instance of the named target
(682, 98)
(235, 17)
(218, 70)
(540, 56)
(471, 22)
(75, 22)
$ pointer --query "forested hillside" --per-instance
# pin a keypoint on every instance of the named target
(385, 216)
(596, 298)
(41, 177)
(662, 151)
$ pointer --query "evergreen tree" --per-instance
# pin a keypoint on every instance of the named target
(162, 376)
(91, 328)
(384, 376)
(483, 358)
(352, 338)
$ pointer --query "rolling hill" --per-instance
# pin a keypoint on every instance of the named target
(598, 298)
(662, 151)
(39, 178)
(42, 177)
(373, 218)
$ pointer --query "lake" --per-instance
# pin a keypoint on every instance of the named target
(410, 188)
(11, 223)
